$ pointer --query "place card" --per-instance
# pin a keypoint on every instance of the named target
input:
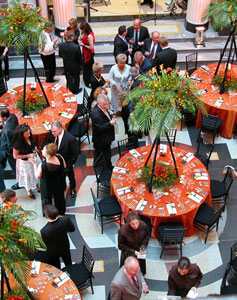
(120, 170)
(205, 69)
(171, 208)
(66, 115)
(12, 92)
(56, 87)
(219, 102)
(200, 176)
(115, 176)
(33, 85)
(201, 92)
(163, 149)
(187, 158)
(61, 279)
(135, 153)
(35, 268)
(70, 99)
(141, 205)
(195, 197)
(67, 94)
(124, 190)
(47, 125)
(195, 78)
(3, 105)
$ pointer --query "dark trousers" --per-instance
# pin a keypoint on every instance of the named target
(54, 259)
(70, 174)
(87, 71)
(73, 82)
(49, 63)
(106, 154)
(12, 163)
(2, 184)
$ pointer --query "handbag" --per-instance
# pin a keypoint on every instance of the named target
(234, 172)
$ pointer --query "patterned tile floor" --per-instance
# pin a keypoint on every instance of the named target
(211, 257)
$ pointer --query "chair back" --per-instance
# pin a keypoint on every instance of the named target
(233, 252)
(84, 124)
(204, 150)
(191, 62)
(223, 282)
(85, 100)
(99, 166)
(227, 53)
(217, 216)
(96, 204)
(209, 122)
(171, 134)
(41, 73)
(3, 86)
(228, 179)
(125, 145)
(173, 236)
(87, 260)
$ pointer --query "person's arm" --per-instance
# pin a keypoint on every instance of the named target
(115, 292)
(39, 171)
(70, 225)
(199, 277)
(99, 124)
(172, 286)
(146, 236)
(122, 245)
(145, 288)
(79, 57)
(74, 150)
(90, 41)
(16, 154)
(64, 163)
(111, 77)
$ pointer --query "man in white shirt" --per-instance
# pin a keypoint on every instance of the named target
(47, 52)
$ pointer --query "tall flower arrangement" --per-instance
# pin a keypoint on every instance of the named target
(21, 25)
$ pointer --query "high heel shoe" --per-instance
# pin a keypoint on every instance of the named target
(31, 194)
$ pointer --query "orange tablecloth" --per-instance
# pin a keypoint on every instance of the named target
(41, 286)
(49, 114)
(228, 110)
(156, 208)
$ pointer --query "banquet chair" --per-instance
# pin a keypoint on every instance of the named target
(125, 145)
(204, 151)
(170, 235)
(103, 175)
(220, 189)
(227, 53)
(187, 116)
(41, 74)
(191, 62)
(207, 218)
(83, 108)
(81, 273)
(233, 256)
(172, 136)
(227, 289)
(79, 127)
(107, 210)
(99, 1)
(210, 123)
(3, 86)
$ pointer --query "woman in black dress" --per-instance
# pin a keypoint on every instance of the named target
(52, 175)
(73, 25)
(24, 151)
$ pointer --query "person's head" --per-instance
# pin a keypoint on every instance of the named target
(99, 90)
(183, 265)
(121, 59)
(70, 36)
(138, 57)
(4, 114)
(163, 42)
(137, 24)
(132, 266)
(134, 72)
(85, 28)
(133, 220)
(97, 68)
(103, 101)
(8, 196)
(73, 23)
(50, 150)
(155, 37)
(22, 133)
(122, 30)
(56, 128)
(51, 212)
(48, 27)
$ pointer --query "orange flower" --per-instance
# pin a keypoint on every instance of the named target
(11, 28)
(2, 13)
(9, 10)
(19, 21)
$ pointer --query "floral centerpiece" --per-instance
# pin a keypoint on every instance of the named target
(16, 293)
(33, 103)
(158, 105)
(230, 80)
(18, 240)
(164, 175)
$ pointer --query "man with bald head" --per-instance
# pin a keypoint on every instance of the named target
(136, 35)
(128, 283)
(151, 46)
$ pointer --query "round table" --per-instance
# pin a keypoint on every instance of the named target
(56, 96)
(156, 208)
(228, 109)
(42, 285)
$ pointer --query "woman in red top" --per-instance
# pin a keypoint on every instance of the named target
(87, 43)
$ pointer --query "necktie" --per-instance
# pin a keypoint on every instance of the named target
(152, 52)
(136, 38)
(56, 140)
(135, 282)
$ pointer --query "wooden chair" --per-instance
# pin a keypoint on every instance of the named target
(204, 151)
(125, 145)
(103, 176)
(211, 124)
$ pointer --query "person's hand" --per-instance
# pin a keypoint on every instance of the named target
(113, 121)
(129, 82)
(194, 289)
(131, 41)
(140, 43)
(2, 57)
(32, 155)
(147, 53)
(136, 253)
(130, 50)
(145, 288)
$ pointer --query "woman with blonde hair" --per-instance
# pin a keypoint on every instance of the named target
(97, 92)
(119, 76)
(73, 26)
(52, 175)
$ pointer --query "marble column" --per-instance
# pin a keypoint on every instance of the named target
(63, 11)
(44, 8)
(195, 12)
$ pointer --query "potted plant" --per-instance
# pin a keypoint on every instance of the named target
(18, 241)
(158, 104)
(21, 26)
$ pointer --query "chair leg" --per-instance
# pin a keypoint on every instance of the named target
(181, 249)
(206, 237)
(91, 285)
(102, 227)
(95, 216)
(162, 250)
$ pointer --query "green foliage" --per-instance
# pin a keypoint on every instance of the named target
(222, 14)
(18, 240)
(21, 25)
(230, 81)
(33, 103)
(164, 175)
(16, 291)
(159, 101)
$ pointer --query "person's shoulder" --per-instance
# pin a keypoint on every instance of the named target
(173, 270)
(119, 277)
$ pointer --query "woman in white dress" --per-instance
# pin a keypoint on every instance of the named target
(119, 77)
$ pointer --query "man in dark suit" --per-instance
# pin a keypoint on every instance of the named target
(136, 35)
(120, 43)
(128, 283)
(151, 46)
(136, 81)
(54, 234)
(167, 57)
(68, 148)
(10, 122)
(103, 130)
(141, 62)
(72, 61)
